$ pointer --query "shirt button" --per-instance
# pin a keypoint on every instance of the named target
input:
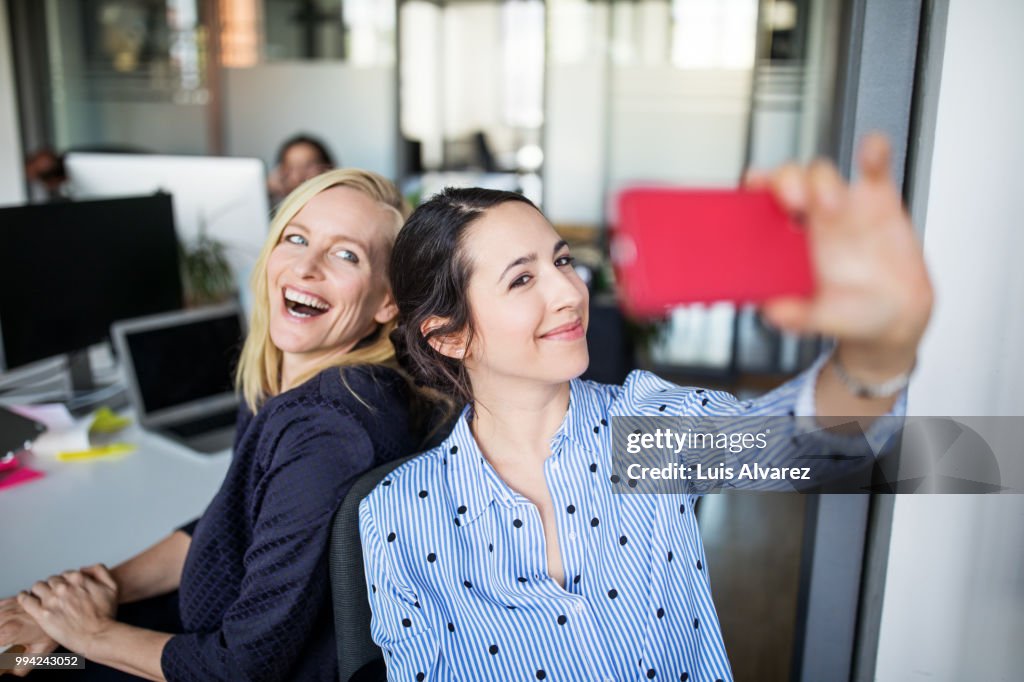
(580, 608)
(554, 465)
(572, 535)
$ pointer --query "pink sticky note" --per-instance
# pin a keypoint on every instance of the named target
(22, 475)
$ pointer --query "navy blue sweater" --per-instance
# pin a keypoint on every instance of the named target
(255, 595)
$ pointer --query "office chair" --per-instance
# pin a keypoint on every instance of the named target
(359, 659)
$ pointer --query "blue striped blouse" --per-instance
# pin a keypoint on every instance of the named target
(456, 563)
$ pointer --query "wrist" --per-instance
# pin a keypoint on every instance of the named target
(100, 640)
(884, 380)
(872, 364)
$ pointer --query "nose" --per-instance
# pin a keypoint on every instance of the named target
(307, 264)
(566, 290)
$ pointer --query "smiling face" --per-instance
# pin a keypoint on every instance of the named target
(326, 277)
(529, 307)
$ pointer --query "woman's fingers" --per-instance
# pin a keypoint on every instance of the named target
(101, 574)
(41, 589)
(789, 185)
(827, 191)
(874, 158)
(867, 262)
(756, 179)
(73, 577)
(30, 602)
(57, 584)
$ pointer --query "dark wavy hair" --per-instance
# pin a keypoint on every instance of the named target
(429, 277)
(302, 138)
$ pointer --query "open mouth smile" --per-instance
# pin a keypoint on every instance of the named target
(302, 304)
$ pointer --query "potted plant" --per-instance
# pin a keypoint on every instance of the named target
(205, 272)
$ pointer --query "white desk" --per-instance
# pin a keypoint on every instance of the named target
(102, 510)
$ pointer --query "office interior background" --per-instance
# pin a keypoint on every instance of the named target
(571, 100)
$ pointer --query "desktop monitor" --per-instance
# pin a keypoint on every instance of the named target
(225, 197)
(69, 270)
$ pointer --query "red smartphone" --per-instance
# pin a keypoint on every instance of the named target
(675, 246)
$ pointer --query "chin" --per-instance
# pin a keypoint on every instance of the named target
(288, 343)
(572, 367)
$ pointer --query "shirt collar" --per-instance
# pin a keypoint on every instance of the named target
(464, 463)
(474, 483)
(587, 417)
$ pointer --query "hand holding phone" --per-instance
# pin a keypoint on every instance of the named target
(676, 246)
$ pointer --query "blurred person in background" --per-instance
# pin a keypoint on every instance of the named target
(299, 158)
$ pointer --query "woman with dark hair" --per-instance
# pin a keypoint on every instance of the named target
(505, 553)
(299, 158)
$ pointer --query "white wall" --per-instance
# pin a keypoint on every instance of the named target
(576, 93)
(12, 180)
(954, 592)
(656, 124)
(159, 127)
(352, 109)
(574, 143)
(679, 126)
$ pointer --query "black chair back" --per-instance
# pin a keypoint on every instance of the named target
(359, 659)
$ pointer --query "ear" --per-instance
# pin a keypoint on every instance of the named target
(452, 345)
(387, 311)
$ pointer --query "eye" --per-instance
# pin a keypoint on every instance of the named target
(519, 281)
(346, 255)
(562, 261)
(295, 239)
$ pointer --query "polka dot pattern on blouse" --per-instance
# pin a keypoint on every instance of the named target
(636, 603)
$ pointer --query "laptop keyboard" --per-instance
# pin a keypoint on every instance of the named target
(202, 424)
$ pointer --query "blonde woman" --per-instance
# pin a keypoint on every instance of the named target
(322, 404)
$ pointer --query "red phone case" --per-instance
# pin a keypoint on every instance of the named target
(674, 246)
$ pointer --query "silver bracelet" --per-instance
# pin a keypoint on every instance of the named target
(884, 389)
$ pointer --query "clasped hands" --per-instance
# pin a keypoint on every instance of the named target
(70, 609)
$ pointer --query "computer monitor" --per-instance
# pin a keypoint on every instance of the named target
(225, 197)
(70, 270)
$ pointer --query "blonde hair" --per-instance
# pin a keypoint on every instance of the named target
(259, 369)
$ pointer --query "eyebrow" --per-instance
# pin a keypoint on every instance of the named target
(529, 258)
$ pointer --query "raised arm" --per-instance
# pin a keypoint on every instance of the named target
(872, 293)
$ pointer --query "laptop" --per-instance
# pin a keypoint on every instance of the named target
(179, 369)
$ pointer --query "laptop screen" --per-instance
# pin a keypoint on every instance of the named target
(185, 362)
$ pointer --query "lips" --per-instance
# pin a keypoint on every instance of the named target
(569, 331)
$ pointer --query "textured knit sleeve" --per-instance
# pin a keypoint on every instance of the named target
(312, 453)
(411, 648)
(242, 421)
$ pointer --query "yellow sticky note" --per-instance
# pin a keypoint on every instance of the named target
(112, 450)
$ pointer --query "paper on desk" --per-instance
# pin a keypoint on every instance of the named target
(54, 415)
(62, 434)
